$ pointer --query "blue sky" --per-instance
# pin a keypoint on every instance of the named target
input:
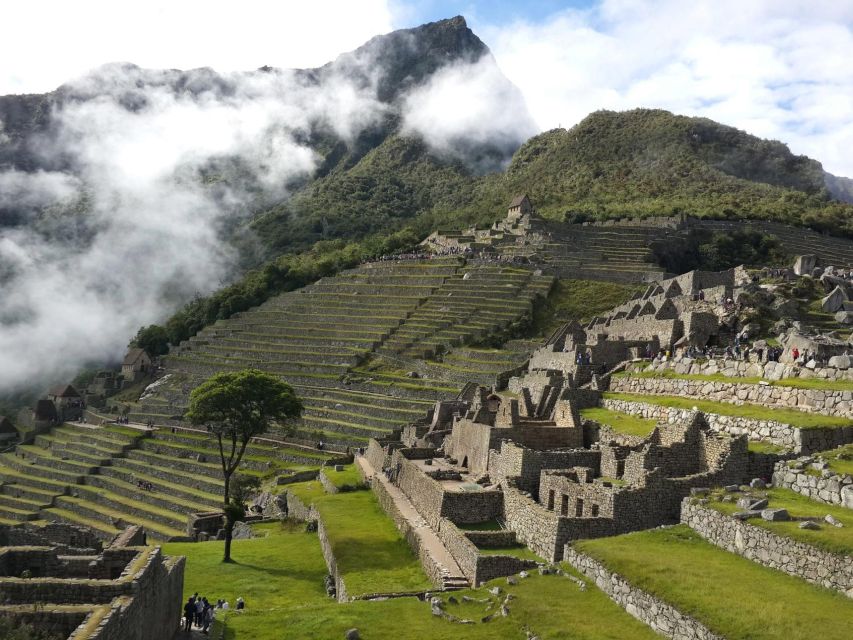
(495, 12)
(776, 68)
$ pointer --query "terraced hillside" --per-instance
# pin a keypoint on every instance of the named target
(327, 339)
(91, 476)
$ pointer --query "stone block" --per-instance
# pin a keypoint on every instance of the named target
(775, 515)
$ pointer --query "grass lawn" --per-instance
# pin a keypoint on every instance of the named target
(798, 383)
(281, 579)
(578, 300)
(349, 477)
(799, 419)
(757, 446)
(841, 459)
(620, 422)
(833, 539)
(732, 596)
(519, 551)
(371, 555)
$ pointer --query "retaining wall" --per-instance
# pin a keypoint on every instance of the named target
(837, 489)
(777, 552)
(826, 402)
(778, 433)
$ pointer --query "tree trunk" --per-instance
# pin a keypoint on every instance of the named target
(229, 529)
(229, 523)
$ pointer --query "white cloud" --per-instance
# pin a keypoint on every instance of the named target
(70, 298)
(777, 69)
(46, 43)
(468, 104)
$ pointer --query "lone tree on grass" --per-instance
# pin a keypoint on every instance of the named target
(237, 407)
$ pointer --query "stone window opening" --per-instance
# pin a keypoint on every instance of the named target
(564, 506)
(594, 510)
(551, 500)
(579, 508)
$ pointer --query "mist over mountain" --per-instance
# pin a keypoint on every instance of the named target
(129, 191)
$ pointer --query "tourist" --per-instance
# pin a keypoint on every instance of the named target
(241, 604)
(189, 613)
(225, 605)
(199, 611)
(206, 616)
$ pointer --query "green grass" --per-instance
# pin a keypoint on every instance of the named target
(280, 577)
(764, 447)
(833, 539)
(799, 419)
(370, 553)
(620, 422)
(349, 477)
(519, 551)
(840, 460)
(578, 300)
(797, 383)
(732, 596)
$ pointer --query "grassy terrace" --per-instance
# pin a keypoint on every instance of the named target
(349, 477)
(833, 539)
(370, 554)
(799, 419)
(732, 596)
(796, 383)
(841, 459)
(281, 578)
(620, 422)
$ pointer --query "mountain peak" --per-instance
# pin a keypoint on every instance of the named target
(406, 57)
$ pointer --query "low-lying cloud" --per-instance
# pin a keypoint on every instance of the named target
(469, 105)
(147, 151)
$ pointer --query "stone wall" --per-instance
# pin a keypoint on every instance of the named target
(826, 402)
(478, 568)
(660, 616)
(752, 369)
(837, 489)
(783, 435)
(777, 552)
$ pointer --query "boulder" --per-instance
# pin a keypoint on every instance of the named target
(775, 515)
(803, 265)
(352, 634)
(844, 317)
(834, 301)
(758, 483)
(841, 362)
(808, 524)
(830, 519)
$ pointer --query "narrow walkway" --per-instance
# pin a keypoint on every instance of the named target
(430, 541)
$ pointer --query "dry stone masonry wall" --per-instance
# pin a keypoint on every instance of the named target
(777, 552)
(836, 489)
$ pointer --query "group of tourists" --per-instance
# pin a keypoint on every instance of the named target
(122, 420)
(144, 485)
(199, 612)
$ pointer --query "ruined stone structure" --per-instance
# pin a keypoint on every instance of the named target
(59, 578)
(137, 364)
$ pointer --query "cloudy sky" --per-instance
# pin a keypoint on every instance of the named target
(776, 68)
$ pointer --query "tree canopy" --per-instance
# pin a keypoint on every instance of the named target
(236, 406)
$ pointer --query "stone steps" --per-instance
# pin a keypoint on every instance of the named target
(159, 468)
(118, 519)
(99, 528)
(132, 507)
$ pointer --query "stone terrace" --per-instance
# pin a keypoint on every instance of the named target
(90, 477)
(319, 338)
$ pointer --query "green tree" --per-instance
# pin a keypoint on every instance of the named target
(153, 338)
(237, 406)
